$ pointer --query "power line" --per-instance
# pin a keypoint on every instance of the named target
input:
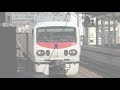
(75, 16)
(57, 41)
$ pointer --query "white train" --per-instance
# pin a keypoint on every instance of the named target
(54, 47)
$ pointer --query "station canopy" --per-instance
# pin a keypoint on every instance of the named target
(115, 15)
(99, 14)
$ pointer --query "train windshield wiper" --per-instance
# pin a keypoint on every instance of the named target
(56, 39)
(60, 40)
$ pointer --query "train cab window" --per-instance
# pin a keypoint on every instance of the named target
(64, 34)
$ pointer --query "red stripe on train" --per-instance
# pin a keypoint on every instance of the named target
(51, 45)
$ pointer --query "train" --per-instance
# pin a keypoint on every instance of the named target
(54, 47)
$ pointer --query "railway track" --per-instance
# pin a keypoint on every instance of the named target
(78, 75)
(108, 70)
(106, 52)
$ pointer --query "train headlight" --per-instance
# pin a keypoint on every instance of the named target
(40, 53)
(66, 52)
(73, 52)
(47, 52)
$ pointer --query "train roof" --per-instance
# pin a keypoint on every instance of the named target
(56, 23)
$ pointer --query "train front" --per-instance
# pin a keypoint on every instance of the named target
(56, 48)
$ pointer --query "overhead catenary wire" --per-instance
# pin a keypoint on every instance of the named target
(63, 30)
(57, 41)
(76, 16)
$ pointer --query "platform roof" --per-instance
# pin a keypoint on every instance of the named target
(103, 14)
(97, 13)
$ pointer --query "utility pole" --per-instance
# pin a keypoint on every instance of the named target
(114, 28)
(97, 31)
(102, 31)
(85, 31)
(78, 20)
(109, 40)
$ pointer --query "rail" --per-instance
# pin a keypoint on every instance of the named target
(102, 67)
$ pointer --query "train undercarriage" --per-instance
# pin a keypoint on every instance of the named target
(57, 67)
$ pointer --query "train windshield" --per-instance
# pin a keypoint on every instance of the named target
(60, 34)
